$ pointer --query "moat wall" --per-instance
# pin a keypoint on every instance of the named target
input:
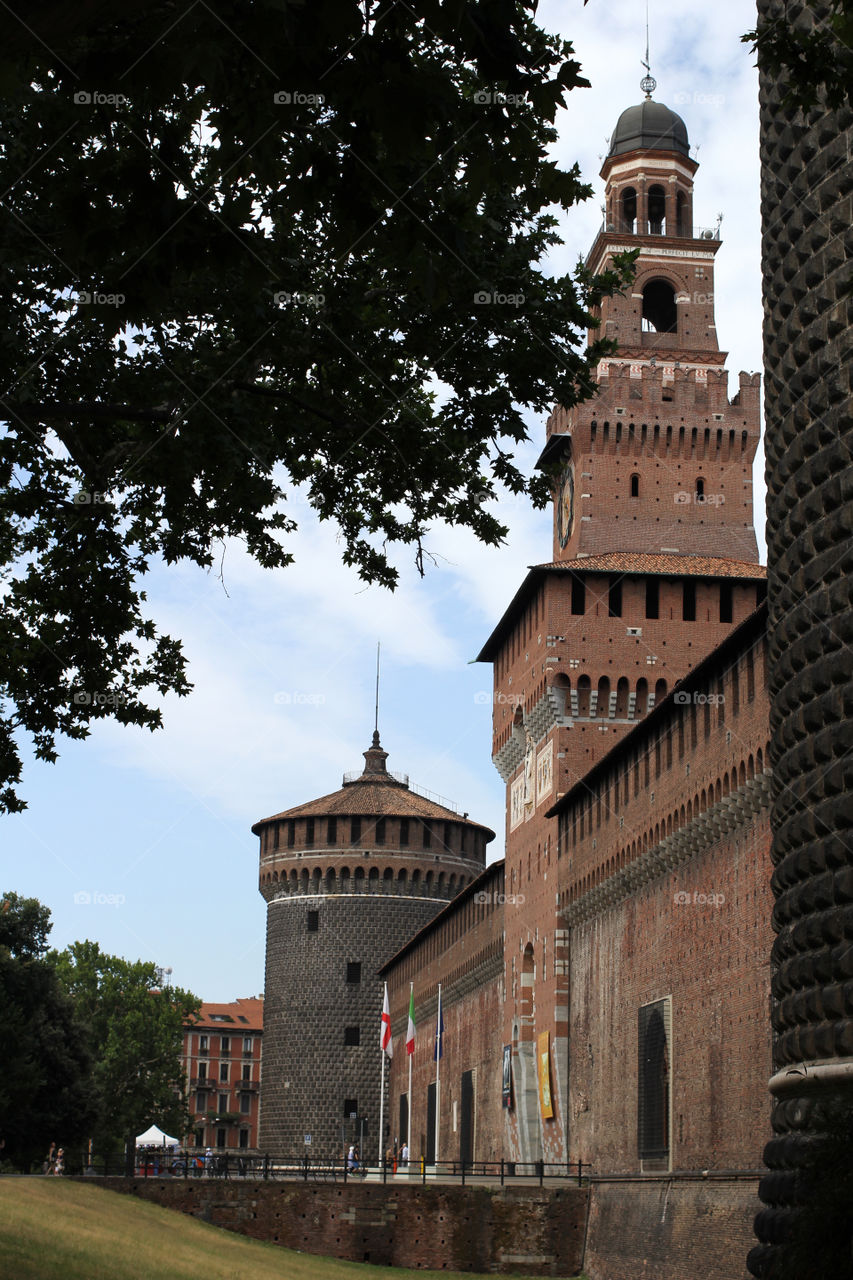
(657, 1228)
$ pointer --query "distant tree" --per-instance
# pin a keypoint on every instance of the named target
(45, 1093)
(814, 60)
(134, 1026)
(246, 247)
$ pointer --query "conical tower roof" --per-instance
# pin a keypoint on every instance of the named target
(375, 792)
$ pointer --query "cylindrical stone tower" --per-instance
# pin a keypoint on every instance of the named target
(348, 879)
(806, 212)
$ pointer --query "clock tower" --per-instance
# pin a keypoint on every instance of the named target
(654, 557)
(660, 460)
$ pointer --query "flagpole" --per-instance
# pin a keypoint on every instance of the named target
(438, 1048)
(385, 1046)
(410, 1056)
(381, 1107)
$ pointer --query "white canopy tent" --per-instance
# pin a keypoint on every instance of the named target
(155, 1137)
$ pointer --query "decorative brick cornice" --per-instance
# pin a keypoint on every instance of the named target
(735, 811)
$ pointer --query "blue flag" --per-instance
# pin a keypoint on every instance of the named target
(439, 1030)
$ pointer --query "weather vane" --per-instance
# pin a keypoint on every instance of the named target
(648, 84)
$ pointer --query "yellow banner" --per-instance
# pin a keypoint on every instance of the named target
(543, 1045)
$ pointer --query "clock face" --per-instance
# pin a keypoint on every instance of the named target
(566, 505)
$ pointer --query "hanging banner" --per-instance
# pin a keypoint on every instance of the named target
(543, 1045)
(506, 1082)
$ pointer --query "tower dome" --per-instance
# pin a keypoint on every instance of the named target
(348, 879)
(649, 126)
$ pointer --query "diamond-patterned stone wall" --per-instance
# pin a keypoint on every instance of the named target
(806, 187)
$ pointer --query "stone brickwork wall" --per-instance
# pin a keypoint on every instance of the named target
(807, 211)
(309, 1071)
(669, 1229)
(348, 879)
(503, 1230)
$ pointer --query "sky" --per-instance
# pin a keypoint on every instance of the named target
(142, 841)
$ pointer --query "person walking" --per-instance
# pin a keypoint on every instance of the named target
(59, 1167)
(49, 1165)
(404, 1154)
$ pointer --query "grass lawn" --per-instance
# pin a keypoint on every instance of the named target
(56, 1230)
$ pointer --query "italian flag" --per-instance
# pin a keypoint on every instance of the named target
(410, 1032)
(385, 1036)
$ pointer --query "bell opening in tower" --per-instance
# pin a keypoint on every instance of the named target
(660, 314)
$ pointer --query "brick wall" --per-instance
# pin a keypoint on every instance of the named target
(463, 949)
(665, 889)
(655, 886)
(665, 1229)
(505, 1230)
(668, 434)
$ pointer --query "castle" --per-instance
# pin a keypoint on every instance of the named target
(605, 987)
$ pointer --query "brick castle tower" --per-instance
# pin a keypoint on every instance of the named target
(348, 879)
(654, 557)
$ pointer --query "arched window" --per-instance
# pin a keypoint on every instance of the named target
(653, 1090)
(635, 485)
(660, 314)
(629, 209)
(562, 689)
(657, 211)
(583, 696)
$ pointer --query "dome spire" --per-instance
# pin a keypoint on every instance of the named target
(648, 84)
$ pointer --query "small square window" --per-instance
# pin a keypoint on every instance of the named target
(313, 921)
(353, 971)
(350, 1108)
(352, 1035)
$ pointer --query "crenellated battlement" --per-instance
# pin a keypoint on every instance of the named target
(643, 406)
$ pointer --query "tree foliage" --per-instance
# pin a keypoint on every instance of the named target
(247, 247)
(45, 1089)
(134, 1026)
